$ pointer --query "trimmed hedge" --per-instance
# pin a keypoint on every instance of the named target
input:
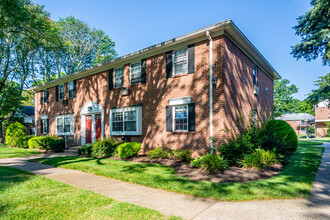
(127, 150)
(85, 150)
(16, 135)
(104, 148)
(57, 145)
(41, 142)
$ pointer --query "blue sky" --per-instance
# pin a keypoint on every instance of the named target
(134, 25)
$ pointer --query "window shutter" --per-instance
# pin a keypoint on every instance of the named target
(41, 127)
(41, 97)
(111, 79)
(169, 64)
(47, 125)
(56, 93)
(74, 87)
(143, 71)
(191, 58)
(191, 117)
(169, 118)
(47, 96)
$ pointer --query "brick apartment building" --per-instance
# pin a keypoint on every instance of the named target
(163, 94)
(322, 115)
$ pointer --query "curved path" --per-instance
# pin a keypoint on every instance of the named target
(317, 206)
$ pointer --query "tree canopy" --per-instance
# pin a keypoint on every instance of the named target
(323, 90)
(283, 97)
(314, 30)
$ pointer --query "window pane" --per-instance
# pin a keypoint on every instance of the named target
(119, 77)
(119, 82)
(130, 115)
(181, 118)
(70, 85)
(180, 61)
(136, 73)
(117, 116)
(117, 126)
(66, 128)
(130, 126)
(60, 125)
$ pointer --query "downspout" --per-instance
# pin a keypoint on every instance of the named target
(211, 90)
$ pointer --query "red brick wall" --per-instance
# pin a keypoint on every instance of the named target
(322, 113)
(233, 90)
(295, 126)
(321, 129)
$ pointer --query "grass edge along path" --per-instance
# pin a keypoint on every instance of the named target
(294, 181)
(9, 152)
(27, 196)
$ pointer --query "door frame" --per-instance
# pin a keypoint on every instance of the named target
(91, 108)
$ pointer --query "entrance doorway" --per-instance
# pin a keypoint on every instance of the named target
(88, 129)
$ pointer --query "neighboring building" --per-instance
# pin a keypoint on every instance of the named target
(300, 122)
(160, 95)
(28, 114)
(322, 116)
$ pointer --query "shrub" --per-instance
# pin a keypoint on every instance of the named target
(213, 162)
(183, 155)
(259, 159)
(280, 136)
(196, 162)
(127, 150)
(41, 142)
(159, 153)
(85, 150)
(15, 135)
(57, 145)
(104, 148)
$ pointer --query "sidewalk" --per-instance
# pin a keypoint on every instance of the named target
(317, 206)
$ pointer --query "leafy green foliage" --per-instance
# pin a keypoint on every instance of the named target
(127, 150)
(183, 155)
(213, 162)
(15, 135)
(196, 162)
(85, 150)
(57, 145)
(159, 152)
(41, 142)
(322, 92)
(104, 148)
(259, 159)
(313, 28)
(283, 99)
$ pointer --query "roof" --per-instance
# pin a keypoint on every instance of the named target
(296, 117)
(28, 110)
(226, 27)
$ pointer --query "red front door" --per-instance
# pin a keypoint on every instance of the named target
(88, 129)
(98, 126)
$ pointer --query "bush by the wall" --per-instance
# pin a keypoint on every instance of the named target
(281, 136)
(127, 150)
(213, 162)
(183, 155)
(85, 150)
(196, 162)
(57, 145)
(41, 142)
(159, 152)
(15, 135)
(104, 148)
(259, 159)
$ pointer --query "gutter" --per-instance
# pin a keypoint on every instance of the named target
(211, 89)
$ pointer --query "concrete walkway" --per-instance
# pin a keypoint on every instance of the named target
(317, 206)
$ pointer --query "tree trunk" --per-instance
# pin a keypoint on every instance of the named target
(1, 133)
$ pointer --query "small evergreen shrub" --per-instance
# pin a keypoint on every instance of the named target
(104, 148)
(281, 137)
(196, 162)
(213, 162)
(41, 142)
(57, 145)
(159, 153)
(259, 159)
(127, 150)
(85, 150)
(183, 155)
(15, 135)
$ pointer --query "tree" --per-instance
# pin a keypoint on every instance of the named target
(283, 99)
(305, 106)
(323, 90)
(83, 46)
(314, 29)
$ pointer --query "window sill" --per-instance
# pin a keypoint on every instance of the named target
(180, 75)
(64, 133)
(125, 133)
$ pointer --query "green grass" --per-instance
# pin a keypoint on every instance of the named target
(26, 196)
(309, 142)
(294, 181)
(325, 139)
(6, 152)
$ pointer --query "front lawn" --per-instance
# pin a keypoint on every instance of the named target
(309, 142)
(294, 181)
(325, 139)
(26, 196)
(7, 152)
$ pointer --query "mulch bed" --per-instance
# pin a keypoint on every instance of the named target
(232, 174)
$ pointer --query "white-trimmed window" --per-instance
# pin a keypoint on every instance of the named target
(180, 61)
(135, 73)
(126, 121)
(255, 75)
(45, 96)
(45, 124)
(61, 92)
(71, 90)
(64, 124)
(180, 119)
(118, 77)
